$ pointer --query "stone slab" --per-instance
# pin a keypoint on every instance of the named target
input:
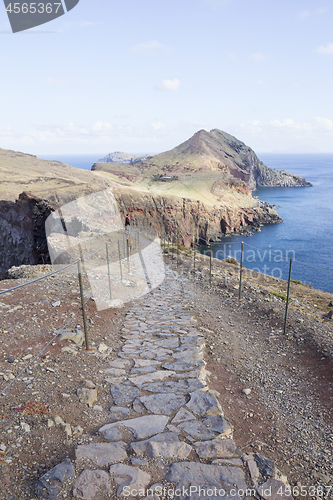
(129, 478)
(163, 404)
(124, 394)
(207, 428)
(91, 482)
(208, 477)
(203, 403)
(102, 454)
(142, 427)
(140, 447)
(215, 448)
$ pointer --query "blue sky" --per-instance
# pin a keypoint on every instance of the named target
(143, 76)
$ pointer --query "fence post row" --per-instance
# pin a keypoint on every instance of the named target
(240, 273)
(287, 302)
(121, 268)
(108, 262)
(82, 305)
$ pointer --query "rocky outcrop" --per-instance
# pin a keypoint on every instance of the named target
(121, 157)
(22, 229)
(182, 217)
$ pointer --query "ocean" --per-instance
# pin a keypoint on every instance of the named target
(305, 235)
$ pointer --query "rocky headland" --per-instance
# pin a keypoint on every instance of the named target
(200, 188)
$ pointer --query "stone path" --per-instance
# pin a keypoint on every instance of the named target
(167, 434)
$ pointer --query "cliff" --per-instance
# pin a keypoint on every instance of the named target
(22, 229)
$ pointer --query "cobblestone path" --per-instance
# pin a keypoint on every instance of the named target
(168, 437)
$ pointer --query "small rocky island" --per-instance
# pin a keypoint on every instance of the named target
(202, 187)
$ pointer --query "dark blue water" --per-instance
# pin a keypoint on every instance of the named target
(305, 235)
(79, 161)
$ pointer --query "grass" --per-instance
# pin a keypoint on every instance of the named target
(297, 282)
(231, 260)
(280, 295)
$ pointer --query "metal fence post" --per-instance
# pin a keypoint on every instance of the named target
(287, 303)
(177, 252)
(240, 273)
(210, 265)
(121, 268)
(82, 305)
(194, 253)
(127, 251)
(108, 262)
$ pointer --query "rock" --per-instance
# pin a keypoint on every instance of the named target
(56, 304)
(208, 428)
(173, 450)
(203, 403)
(254, 471)
(91, 482)
(124, 394)
(50, 423)
(102, 347)
(120, 363)
(97, 408)
(25, 427)
(139, 380)
(205, 476)
(187, 386)
(246, 391)
(102, 454)
(266, 467)
(182, 365)
(76, 337)
(216, 448)
(77, 431)
(48, 486)
(68, 430)
(118, 412)
(140, 447)
(273, 489)
(182, 416)
(87, 396)
(142, 427)
(116, 372)
(163, 403)
(129, 478)
(58, 420)
(89, 384)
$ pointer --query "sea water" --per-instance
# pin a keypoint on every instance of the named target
(306, 233)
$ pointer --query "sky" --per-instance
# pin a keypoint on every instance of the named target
(144, 76)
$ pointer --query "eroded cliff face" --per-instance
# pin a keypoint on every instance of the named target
(22, 232)
(182, 217)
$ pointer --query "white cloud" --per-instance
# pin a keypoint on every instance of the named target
(102, 127)
(152, 46)
(325, 49)
(157, 125)
(258, 57)
(252, 126)
(324, 123)
(168, 85)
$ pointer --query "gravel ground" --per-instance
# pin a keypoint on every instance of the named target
(287, 417)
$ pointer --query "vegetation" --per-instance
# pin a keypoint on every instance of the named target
(280, 295)
(231, 260)
(297, 282)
